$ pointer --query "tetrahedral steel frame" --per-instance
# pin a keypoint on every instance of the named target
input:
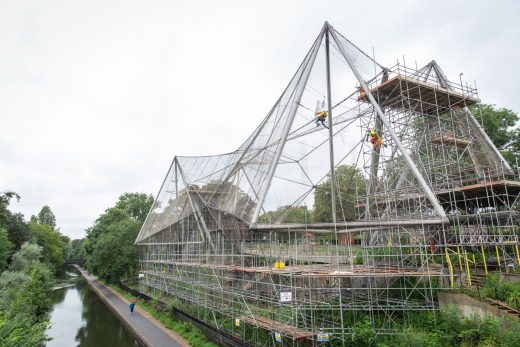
(305, 232)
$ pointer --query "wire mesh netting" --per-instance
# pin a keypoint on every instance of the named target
(346, 203)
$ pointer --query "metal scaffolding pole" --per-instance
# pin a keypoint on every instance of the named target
(433, 199)
(287, 126)
(331, 134)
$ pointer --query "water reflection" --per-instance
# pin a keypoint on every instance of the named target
(80, 318)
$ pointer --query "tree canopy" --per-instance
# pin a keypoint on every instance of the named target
(76, 251)
(502, 127)
(109, 246)
(5, 249)
(47, 217)
(348, 179)
(24, 299)
(52, 243)
(27, 272)
(286, 214)
(17, 230)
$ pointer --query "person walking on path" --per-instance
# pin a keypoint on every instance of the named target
(132, 306)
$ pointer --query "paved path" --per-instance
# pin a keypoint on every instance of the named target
(147, 329)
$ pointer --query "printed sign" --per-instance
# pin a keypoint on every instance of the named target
(323, 337)
(278, 337)
(285, 296)
(141, 275)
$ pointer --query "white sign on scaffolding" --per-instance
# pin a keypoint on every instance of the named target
(323, 337)
(285, 296)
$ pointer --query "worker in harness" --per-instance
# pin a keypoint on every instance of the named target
(375, 138)
(321, 114)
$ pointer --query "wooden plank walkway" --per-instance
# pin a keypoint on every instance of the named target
(285, 329)
(315, 270)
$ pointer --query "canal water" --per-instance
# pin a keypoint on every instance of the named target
(80, 318)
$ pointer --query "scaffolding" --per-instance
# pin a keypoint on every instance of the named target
(306, 230)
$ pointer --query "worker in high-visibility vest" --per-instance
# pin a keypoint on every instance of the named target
(321, 113)
(320, 118)
(376, 139)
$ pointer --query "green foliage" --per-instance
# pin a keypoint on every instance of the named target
(5, 249)
(77, 251)
(136, 205)
(25, 286)
(18, 230)
(501, 125)
(445, 328)
(508, 292)
(498, 123)
(5, 199)
(24, 299)
(513, 297)
(349, 180)
(358, 260)
(450, 323)
(22, 331)
(52, 243)
(24, 259)
(114, 256)
(47, 217)
(286, 214)
(11, 282)
(363, 333)
(109, 246)
(38, 289)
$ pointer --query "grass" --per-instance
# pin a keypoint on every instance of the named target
(189, 331)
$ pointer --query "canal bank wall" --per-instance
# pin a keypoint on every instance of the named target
(470, 306)
(149, 331)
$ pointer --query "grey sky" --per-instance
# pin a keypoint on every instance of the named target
(97, 96)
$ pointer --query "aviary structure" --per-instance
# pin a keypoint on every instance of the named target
(306, 231)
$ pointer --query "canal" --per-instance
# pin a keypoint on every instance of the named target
(80, 318)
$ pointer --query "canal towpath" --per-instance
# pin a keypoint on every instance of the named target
(146, 328)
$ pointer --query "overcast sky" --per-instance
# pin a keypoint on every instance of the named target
(96, 97)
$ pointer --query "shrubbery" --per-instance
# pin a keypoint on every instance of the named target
(508, 292)
(445, 328)
(24, 299)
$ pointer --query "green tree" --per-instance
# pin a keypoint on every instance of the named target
(5, 199)
(28, 255)
(349, 181)
(109, 246)
(47, 217)
(77, 251)
(136, 205)
(52, 244)
(115, 256)
(24, 299)
(501, 125)
(18, 230)
(286, 214)
(11, 282)
(38, 289)
(5, 249)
